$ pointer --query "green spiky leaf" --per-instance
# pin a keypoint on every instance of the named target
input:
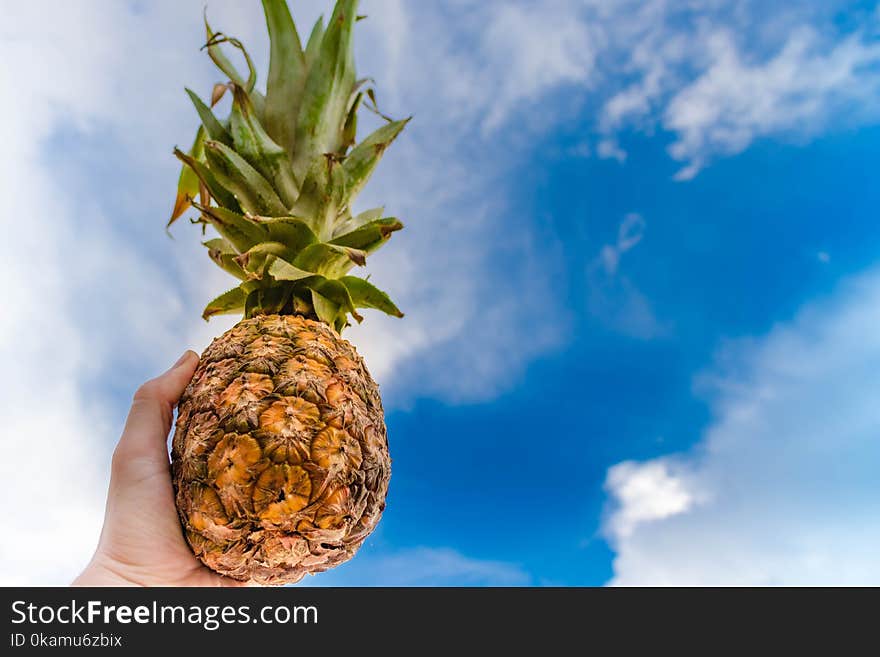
(215, 189)
(371, 236)
(250, 188)
(272, 299)
(287, 74)
(364, 157)
(313, 47)
(284, 271)
(329, 259)
(366, 295)
(349, 130)
(229, 302)
(327, 91)
(238, 230)
(322, 194)
(331, 289)
(228, 263)
(214, 128)
(258, 149)
(222, 61)
(220, 244)
(326, 310)
(254, 259)
(276, 178)
(225, 256)
(266, 301)
(335, 292)
(188, 182)
(219, 58)
(348, 223)
(292, 231)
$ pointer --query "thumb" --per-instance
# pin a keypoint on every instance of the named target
(152, 409)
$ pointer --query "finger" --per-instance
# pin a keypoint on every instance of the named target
(152, 409)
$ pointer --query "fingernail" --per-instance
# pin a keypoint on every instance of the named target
(183, 359)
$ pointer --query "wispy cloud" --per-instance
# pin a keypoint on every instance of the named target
(715, 76)
(718, 76)
(429, 566)
(782, 488)
(629, 234)
(613, 298)
(609, 149)
(794, 92)
(517, 45)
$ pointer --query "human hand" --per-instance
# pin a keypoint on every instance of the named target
(142, 542)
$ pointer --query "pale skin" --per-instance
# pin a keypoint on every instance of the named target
(142, 542)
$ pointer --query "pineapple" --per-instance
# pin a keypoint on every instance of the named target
(280, 455)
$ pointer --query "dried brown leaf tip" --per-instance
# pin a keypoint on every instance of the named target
(218, 92)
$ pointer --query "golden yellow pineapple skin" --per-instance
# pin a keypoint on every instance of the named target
(280, 453)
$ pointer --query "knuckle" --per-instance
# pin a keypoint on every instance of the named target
(148, 390)
(119, 459)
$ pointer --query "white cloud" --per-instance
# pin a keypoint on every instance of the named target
(733, 102)
(720, 75)
(645, 492)
(54, 429)
(782, 489)
(535, 47)
(715, 75)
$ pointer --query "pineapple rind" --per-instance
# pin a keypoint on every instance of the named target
(280, 454)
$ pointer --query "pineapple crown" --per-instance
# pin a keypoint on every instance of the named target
(277, 177)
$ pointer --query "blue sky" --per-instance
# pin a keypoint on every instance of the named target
(729, 254)
(639, 271)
